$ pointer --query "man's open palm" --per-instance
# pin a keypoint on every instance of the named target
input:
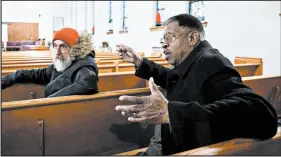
(149, 109)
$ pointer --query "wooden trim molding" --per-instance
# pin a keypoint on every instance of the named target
(123, 31)
(160, 28)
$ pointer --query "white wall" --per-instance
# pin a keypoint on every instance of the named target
(28, 11)
(235, 28)
(5, 34)
(141, 16)
(246, 29)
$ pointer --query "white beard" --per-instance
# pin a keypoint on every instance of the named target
(62, 65)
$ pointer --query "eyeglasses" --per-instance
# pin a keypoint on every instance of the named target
(63, 47)
(169, 37)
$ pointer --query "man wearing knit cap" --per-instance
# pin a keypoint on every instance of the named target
(73, 72)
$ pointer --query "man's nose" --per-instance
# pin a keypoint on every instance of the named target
(58, 51)
(164, 45)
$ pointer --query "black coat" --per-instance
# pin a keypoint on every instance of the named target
(208, 103)
(79, 78)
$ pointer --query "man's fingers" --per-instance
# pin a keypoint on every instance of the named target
(129, 108)
(128, 114)
(120, 54)
(137, 120)
(122, 48)
(130, 52)
(133, 99)
(117, 48)
(152, 86)
(119, 45)
(125, 50)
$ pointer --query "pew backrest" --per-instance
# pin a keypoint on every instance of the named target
(238, 146)
(83, 125)
(71, 125)
(241, 146)
(107, 82)
(267, 87)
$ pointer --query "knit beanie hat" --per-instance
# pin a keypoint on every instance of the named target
(67, 35)
(80, 45)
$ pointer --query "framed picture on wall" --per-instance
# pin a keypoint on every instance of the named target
(58, 23)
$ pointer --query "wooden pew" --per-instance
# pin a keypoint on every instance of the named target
(26, 62)
(241, 146)
(84, 125)
(244, 69)
(32, 91)
(106, 62)
(256, 62)
(38, 60)
(12, 54)
(159, 54)
(99, 61)
(116, 67)
(107, 82)
(26, 59)
(238, 146)
(245, 60)
(245, 65)
(268, 87)
(250, 69)
(73, 125)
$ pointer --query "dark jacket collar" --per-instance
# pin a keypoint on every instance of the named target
(183, 68)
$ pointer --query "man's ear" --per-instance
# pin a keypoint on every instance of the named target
(193, 38)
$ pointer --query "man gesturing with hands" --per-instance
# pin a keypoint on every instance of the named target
(206, 100)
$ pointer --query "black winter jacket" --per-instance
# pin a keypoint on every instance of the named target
(208, 103)
(79, 78)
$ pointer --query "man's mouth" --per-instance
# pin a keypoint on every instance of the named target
(167, 54)
(59, 57)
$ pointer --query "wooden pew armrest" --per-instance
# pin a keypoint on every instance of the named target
(133, 152)
(240, 146)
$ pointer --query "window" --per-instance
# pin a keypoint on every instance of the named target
(160, 13)
(166, 9)
(124, 20)
(110, 21)
(196, 8)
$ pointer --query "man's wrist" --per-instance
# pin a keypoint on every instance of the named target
(165, 111)
(166, 118)
(138, 62)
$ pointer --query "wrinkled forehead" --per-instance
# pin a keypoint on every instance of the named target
(173, 28)
(59, 42)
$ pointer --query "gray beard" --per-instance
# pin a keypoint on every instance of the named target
(62, 65)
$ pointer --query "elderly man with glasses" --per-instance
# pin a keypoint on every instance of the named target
(73, 72)
(206, 100)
